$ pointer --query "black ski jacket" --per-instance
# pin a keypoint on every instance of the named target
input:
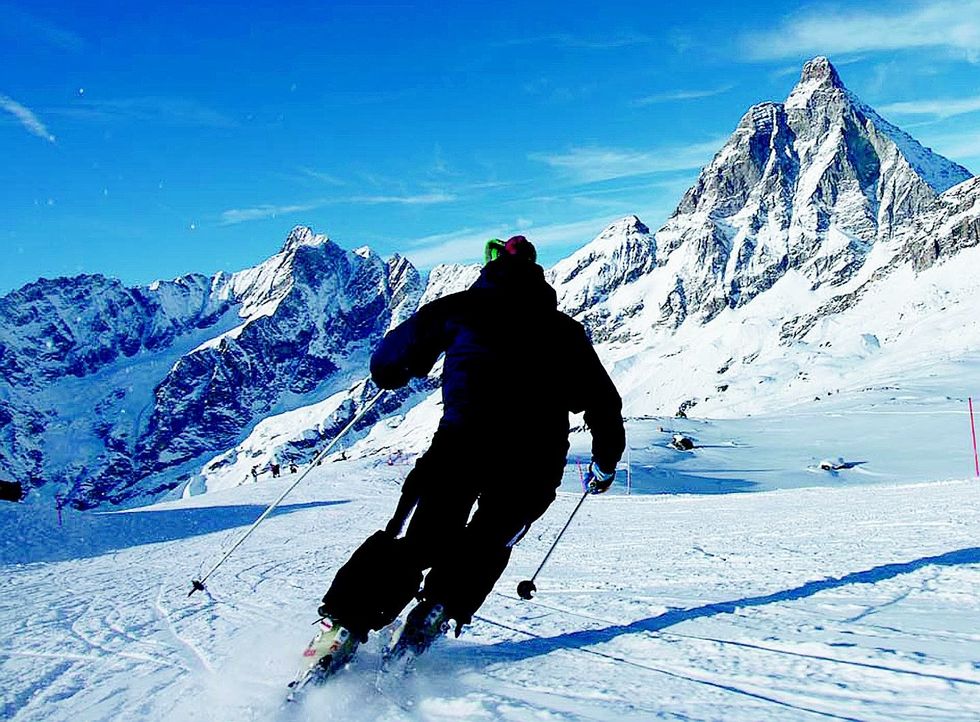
(515, 367)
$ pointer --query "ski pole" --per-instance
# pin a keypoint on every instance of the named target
(197, 585)
(526, 589)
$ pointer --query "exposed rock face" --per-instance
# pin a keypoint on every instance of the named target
(952, 225)
(76, 326)
(621, 254)
(449, 278)
(812, 184)
(113, 395)
(105, 386)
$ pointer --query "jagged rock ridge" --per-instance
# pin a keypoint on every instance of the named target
(117, 395)
(810, 185)
(109, 390)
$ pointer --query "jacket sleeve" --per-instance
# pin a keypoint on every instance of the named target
(602, 405)
(410, 349)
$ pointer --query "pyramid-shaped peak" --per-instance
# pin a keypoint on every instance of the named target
(821, 71)
(820, 81)
(303, 236)
(629, 224)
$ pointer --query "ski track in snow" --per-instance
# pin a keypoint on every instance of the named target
(840, 602)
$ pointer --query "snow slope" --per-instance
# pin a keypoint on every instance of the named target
(853, 598)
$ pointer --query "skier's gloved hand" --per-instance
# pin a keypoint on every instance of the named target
(596, 480)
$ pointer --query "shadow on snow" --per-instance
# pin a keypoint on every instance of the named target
(83, 535)
(539, 646)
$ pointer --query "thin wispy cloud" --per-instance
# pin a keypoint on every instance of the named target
(408, 200)
(681, 95)
(463, 246)
(494, 185)
(26, 117)
(150, 109)
(951, 25)
(321, 177)
(235, 216)
(567, 40)
(593, 164)
(266, 211)
(618, 195)
(940, 108)
(18, 25)
(547, 90)
(438, 239)
(366, 97)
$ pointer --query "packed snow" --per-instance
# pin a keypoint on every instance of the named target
(848, 594)
(813, 555)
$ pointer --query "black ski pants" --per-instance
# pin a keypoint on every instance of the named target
(465, 554)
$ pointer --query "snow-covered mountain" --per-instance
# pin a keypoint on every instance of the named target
(813, 254)
(817, 227)
(109, 392)
(813, 184)
(820, 185)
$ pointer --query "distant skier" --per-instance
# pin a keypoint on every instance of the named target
(274, 466)
(514, 368)
(255, 473)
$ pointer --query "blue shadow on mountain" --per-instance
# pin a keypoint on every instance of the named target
(539, 646)
(28, 539)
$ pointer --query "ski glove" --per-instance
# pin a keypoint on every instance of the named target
(596, 480)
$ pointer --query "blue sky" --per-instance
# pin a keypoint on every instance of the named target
(144, 141)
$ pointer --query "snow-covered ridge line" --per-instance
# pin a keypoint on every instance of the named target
(136, 384)
(813, 246)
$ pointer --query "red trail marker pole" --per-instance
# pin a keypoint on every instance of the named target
(973, 431)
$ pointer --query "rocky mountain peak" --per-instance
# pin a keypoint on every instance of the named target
(302, 236)
(821, 71)
(621, 254)
(449, 278)
(406, 287)
(820, 88)
(810, 185)
(627, 225)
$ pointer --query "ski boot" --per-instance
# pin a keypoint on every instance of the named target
(330, 650)
(426, 623)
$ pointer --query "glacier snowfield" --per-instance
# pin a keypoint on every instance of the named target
(736, 582)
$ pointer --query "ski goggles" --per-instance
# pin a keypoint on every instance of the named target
(493, 250)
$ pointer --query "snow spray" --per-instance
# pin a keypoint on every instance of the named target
(973, 431)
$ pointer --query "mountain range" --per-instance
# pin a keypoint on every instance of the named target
(821, 250)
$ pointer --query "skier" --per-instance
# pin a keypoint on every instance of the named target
(274, 466)
(514, 368)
